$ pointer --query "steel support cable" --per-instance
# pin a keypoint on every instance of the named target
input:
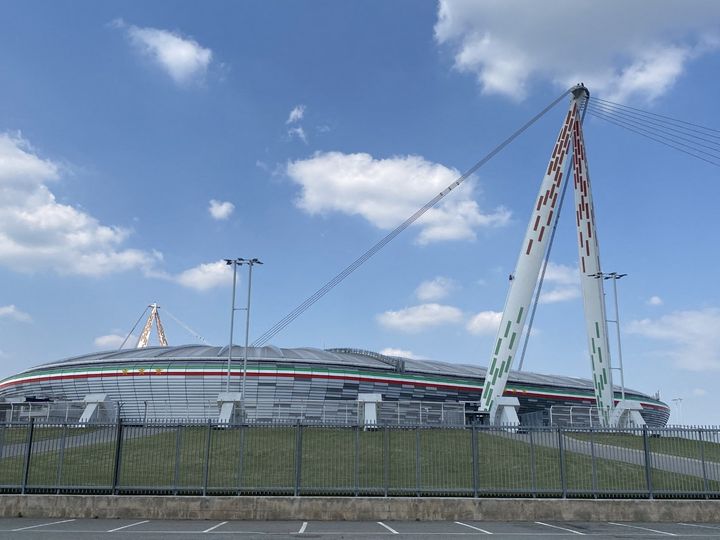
(322, 291)
(657, 138)
(648, 113)
(661, 128)
(697, 134)
(133, 328)
(185, 326)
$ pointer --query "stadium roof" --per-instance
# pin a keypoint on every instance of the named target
(341, 357)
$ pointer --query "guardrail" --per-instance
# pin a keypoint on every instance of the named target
(312, 459)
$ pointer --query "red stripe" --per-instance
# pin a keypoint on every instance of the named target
(537, 221)
(527, 252)
(542, 230)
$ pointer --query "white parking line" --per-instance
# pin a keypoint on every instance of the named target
(215, 527)
(43, 525)
(561, 528)
(388, 528)
(473, 527)
(126, 526)
(303, 527)
(642, 528)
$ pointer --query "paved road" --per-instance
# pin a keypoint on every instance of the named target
(91, 529)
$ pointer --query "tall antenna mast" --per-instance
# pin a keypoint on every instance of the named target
(145, 334)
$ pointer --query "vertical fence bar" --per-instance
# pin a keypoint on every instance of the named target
(28, 453)
(561, 456)
(61, 458)
(298, 458)
(206, 461)
(117, 459)
(706, 487)
(474, 443)
(357, 460)
(533, 473)
(386, 460)
(593, 463)
(241, 458)
(176, 473)
(418, 472)
(648, 470)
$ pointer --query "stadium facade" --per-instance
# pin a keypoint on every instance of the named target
(184, 382)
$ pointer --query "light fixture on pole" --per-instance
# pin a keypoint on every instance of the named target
(615, 276)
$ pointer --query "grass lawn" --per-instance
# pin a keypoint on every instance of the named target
(674, 446)
(407, 461)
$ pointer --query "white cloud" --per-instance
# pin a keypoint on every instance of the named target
(298, 132)
(564, 283)
(485, 322)
(390, 351)
(181, 57)
(655, 301)
(220, 209)
(12, 312)
(112, 341)
(620, 50)
(386, 191)
(435, 289)
(36, 231)
(296, 114)
(692, 337)
(699, 392)
(206, 276)
(417, 318)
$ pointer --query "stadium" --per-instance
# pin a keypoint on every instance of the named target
(293, 384)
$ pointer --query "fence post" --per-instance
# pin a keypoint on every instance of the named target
(474, 445)
(206, 468)
(386, 460)
(593, 464)
(704, 465)
(117, 461)
(176, 475)
(357, 460)
(648, 471)
(298, 458)
(61, 458)
(561, 448)
(533, 473)
(28, 453)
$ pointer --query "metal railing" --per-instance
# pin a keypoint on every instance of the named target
(305, 459)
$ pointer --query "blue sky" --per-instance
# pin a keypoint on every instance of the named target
(141, 143)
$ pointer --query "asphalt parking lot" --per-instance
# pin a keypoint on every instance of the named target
(89, 529)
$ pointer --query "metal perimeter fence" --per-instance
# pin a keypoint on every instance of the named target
(311, 459)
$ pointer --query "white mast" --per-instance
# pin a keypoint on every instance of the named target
(145, 334)
(527, 270)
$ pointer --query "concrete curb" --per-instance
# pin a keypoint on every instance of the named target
(356, 508)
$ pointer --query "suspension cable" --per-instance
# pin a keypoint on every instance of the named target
(649, 134)
(322, 291)
(133, 328)
(185, 326)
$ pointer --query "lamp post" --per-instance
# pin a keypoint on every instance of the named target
(235, 263)
(250, 263)
(615, 276)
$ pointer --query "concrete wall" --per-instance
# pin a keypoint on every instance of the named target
(356, 508)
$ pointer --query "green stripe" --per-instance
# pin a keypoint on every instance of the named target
(507, 328)
(497, 347)
(597, 330)
(512, 339)
(519, 315)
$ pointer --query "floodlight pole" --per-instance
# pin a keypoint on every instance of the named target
(615, 276)
(250, 263)
(234, 263)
